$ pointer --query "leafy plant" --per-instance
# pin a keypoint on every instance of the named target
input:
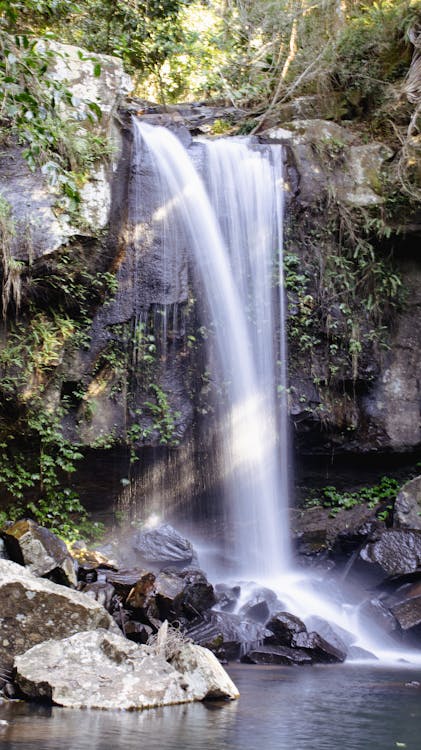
(330, 497)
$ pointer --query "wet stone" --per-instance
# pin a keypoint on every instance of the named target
(276, 655)
(164, 546)
(320, 650)
(283, 627)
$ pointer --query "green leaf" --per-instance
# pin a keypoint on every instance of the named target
(97, 70)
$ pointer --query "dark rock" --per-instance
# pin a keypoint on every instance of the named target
(407, 508)
(407, 612)
(124, 580)
(376, 612)
(284, 627)
(227, 597)
(101, 592)
(198, 594)
(169, 589)
(357, 653)
(226, 634)
(9, 691)
(260, 605)
(41, 551)
(137, 631)
(163, 546)
(276, 655)
(396, 552)
(332, 633)
(320, 650)
(141, 592)
(316, 530)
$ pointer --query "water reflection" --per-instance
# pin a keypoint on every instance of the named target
(296, 709)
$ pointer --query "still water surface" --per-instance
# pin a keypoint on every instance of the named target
(322, 708)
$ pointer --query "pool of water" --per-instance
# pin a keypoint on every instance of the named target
(322, 708)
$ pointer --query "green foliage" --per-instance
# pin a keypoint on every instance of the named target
(164, 419)
(330, 497)
(373, 51)
(46, 119)
(38, 470)
(341, 289)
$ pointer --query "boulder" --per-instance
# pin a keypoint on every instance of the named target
(284, 627)
(141, 592)
(33, 610)
(375, 611)
(407, 612)
(227, 596)
(163, 546)
(396, 552)
(101, 670)
(41, 551)
(101, 592)
(407, 509)
(198, 595)
(318, 648)
(356, 653)
(205, 676)
(276, 655)
(137, 631)
(332, 633)
(169, 589)
(260, 605)
(317, 530)
(226, 634)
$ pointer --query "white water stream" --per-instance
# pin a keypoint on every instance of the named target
(233, 226)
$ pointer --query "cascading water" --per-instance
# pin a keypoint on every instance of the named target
(251, 470)
(234, 229)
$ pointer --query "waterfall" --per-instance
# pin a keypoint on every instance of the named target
(235, 237)
(230, 219)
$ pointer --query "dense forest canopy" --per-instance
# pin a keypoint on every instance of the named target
(247, 52)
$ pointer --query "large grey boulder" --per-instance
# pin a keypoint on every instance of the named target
(163, 546)
(407, 509)
(101, 670)
(32, 610)
(41, 551)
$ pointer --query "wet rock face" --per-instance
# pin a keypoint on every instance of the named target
(33, 609)
(226, 634)
(284, 627)
(41, 551)
(395, 552)
(103, 670)
(277, 655)
(407, 508)
(320, 650)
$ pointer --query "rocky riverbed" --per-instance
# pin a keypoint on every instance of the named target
(81, 629)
